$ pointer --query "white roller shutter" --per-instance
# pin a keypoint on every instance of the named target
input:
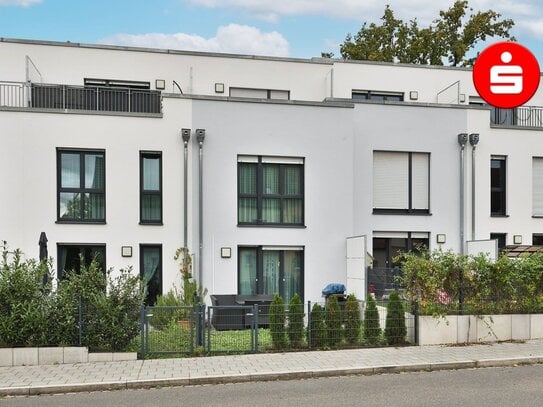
(537, 186)
(390, 180)
(420, 179)
(249, 93)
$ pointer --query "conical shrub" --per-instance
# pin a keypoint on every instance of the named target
(372, 330)
(352, 320)
(395, 329)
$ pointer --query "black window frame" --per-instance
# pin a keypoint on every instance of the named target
(409, 210)
(372, 94)
(81, 190)
(160, 268)
(501, 238)
(154, 155)
(260, 195)
(501, 189)
(260, 269)
(81, 247)
(537, 237)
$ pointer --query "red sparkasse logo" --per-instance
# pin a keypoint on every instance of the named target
(506, 74)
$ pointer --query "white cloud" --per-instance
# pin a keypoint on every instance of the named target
(371, 10)
(19, 3)
(232, 38)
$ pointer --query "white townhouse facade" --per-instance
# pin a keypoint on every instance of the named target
(278, 174)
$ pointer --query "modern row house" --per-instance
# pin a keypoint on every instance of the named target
(279, 175)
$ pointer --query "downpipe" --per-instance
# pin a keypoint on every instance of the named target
(200, 137)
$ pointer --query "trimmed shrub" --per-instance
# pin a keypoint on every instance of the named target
(295, 321)
(372, 330)
(395, 329)
(277, 322)
(317, 327)
(163, 317)
(352, 319)
(332, 318)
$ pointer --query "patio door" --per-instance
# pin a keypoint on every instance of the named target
(387, 246)
(271, 270)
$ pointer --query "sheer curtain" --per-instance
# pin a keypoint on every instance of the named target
(247, 186)
(271, 207)
(271, 265)
(293, 274)
(247, 271)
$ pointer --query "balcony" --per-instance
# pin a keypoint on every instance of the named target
(79, 98)
(520, 117)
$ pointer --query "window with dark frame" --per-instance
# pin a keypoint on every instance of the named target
(378, 96)
(498, 186)
(271, 270)
(71, 255)
(81, 186)
(537, 239)
(401, 182)
(270, 191)
(151, 187)
(151, 271)
(501, 238)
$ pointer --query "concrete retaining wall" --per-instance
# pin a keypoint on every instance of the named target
(57, 355)
(455, 329)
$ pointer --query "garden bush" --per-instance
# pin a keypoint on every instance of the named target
(332, 318)
(352, 320)
(295, 321)
(317, 327)
(395, 329)
(372, 329)
(277, 322)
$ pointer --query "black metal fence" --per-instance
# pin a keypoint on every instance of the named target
(252, 328)
(382, 281)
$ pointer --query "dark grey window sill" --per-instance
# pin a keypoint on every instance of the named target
(400, 212)
(151, 223)
(498, 216)
(273, 225)
(81, 222)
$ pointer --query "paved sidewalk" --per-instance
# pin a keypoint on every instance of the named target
(29, 380)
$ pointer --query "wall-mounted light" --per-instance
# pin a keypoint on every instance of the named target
(517, 239)
(413, 95)
(462, 139)
(462, 98)
(226, 252)
(441, 238)
(219, 88)
(474, 139)
(160, 84)
(126, 251)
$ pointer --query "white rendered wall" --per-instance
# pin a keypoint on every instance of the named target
(29, 187)
(323, 136)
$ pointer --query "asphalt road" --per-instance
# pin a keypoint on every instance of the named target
(516, 386)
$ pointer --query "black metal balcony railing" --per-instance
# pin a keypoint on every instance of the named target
(90, 98)
(524, 116)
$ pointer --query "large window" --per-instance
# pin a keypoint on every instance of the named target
(151, 271)
(270, 191)
(501, 238)
(81, 186)
(497, 186)
(401, 182)
(71, 255)
(537, 186)
(150, 187)
(271, 270)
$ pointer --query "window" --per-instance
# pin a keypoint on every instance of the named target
(260, 93)
(150, 187)
(537, 186)
(151, 271)
(378, 96)
(70, 256)
(497, 186)
(501, 238)
(270, 191)
(537, 239)
(401, 182)
(81, 186)
(386, 249)
(271, 270)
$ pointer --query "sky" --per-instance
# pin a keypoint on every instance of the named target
(293, 28)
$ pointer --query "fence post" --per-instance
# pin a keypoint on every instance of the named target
(80, 318)
(209, 330)
(255, 327)
(142, 331)
(416, 316)
(309, 324)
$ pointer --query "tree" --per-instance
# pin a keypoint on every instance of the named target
(295, 321)
(317, 327)
(372, 330)
(352, 319)
(277, 322)
(451, 36)
(332, 319)
(395, 329)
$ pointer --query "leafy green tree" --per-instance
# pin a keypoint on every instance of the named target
(318, 327)
(395, 329)
(372, 330)
(332, 319)
(451, 36)
(277, 322)
(352, 319)
(295, 321)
